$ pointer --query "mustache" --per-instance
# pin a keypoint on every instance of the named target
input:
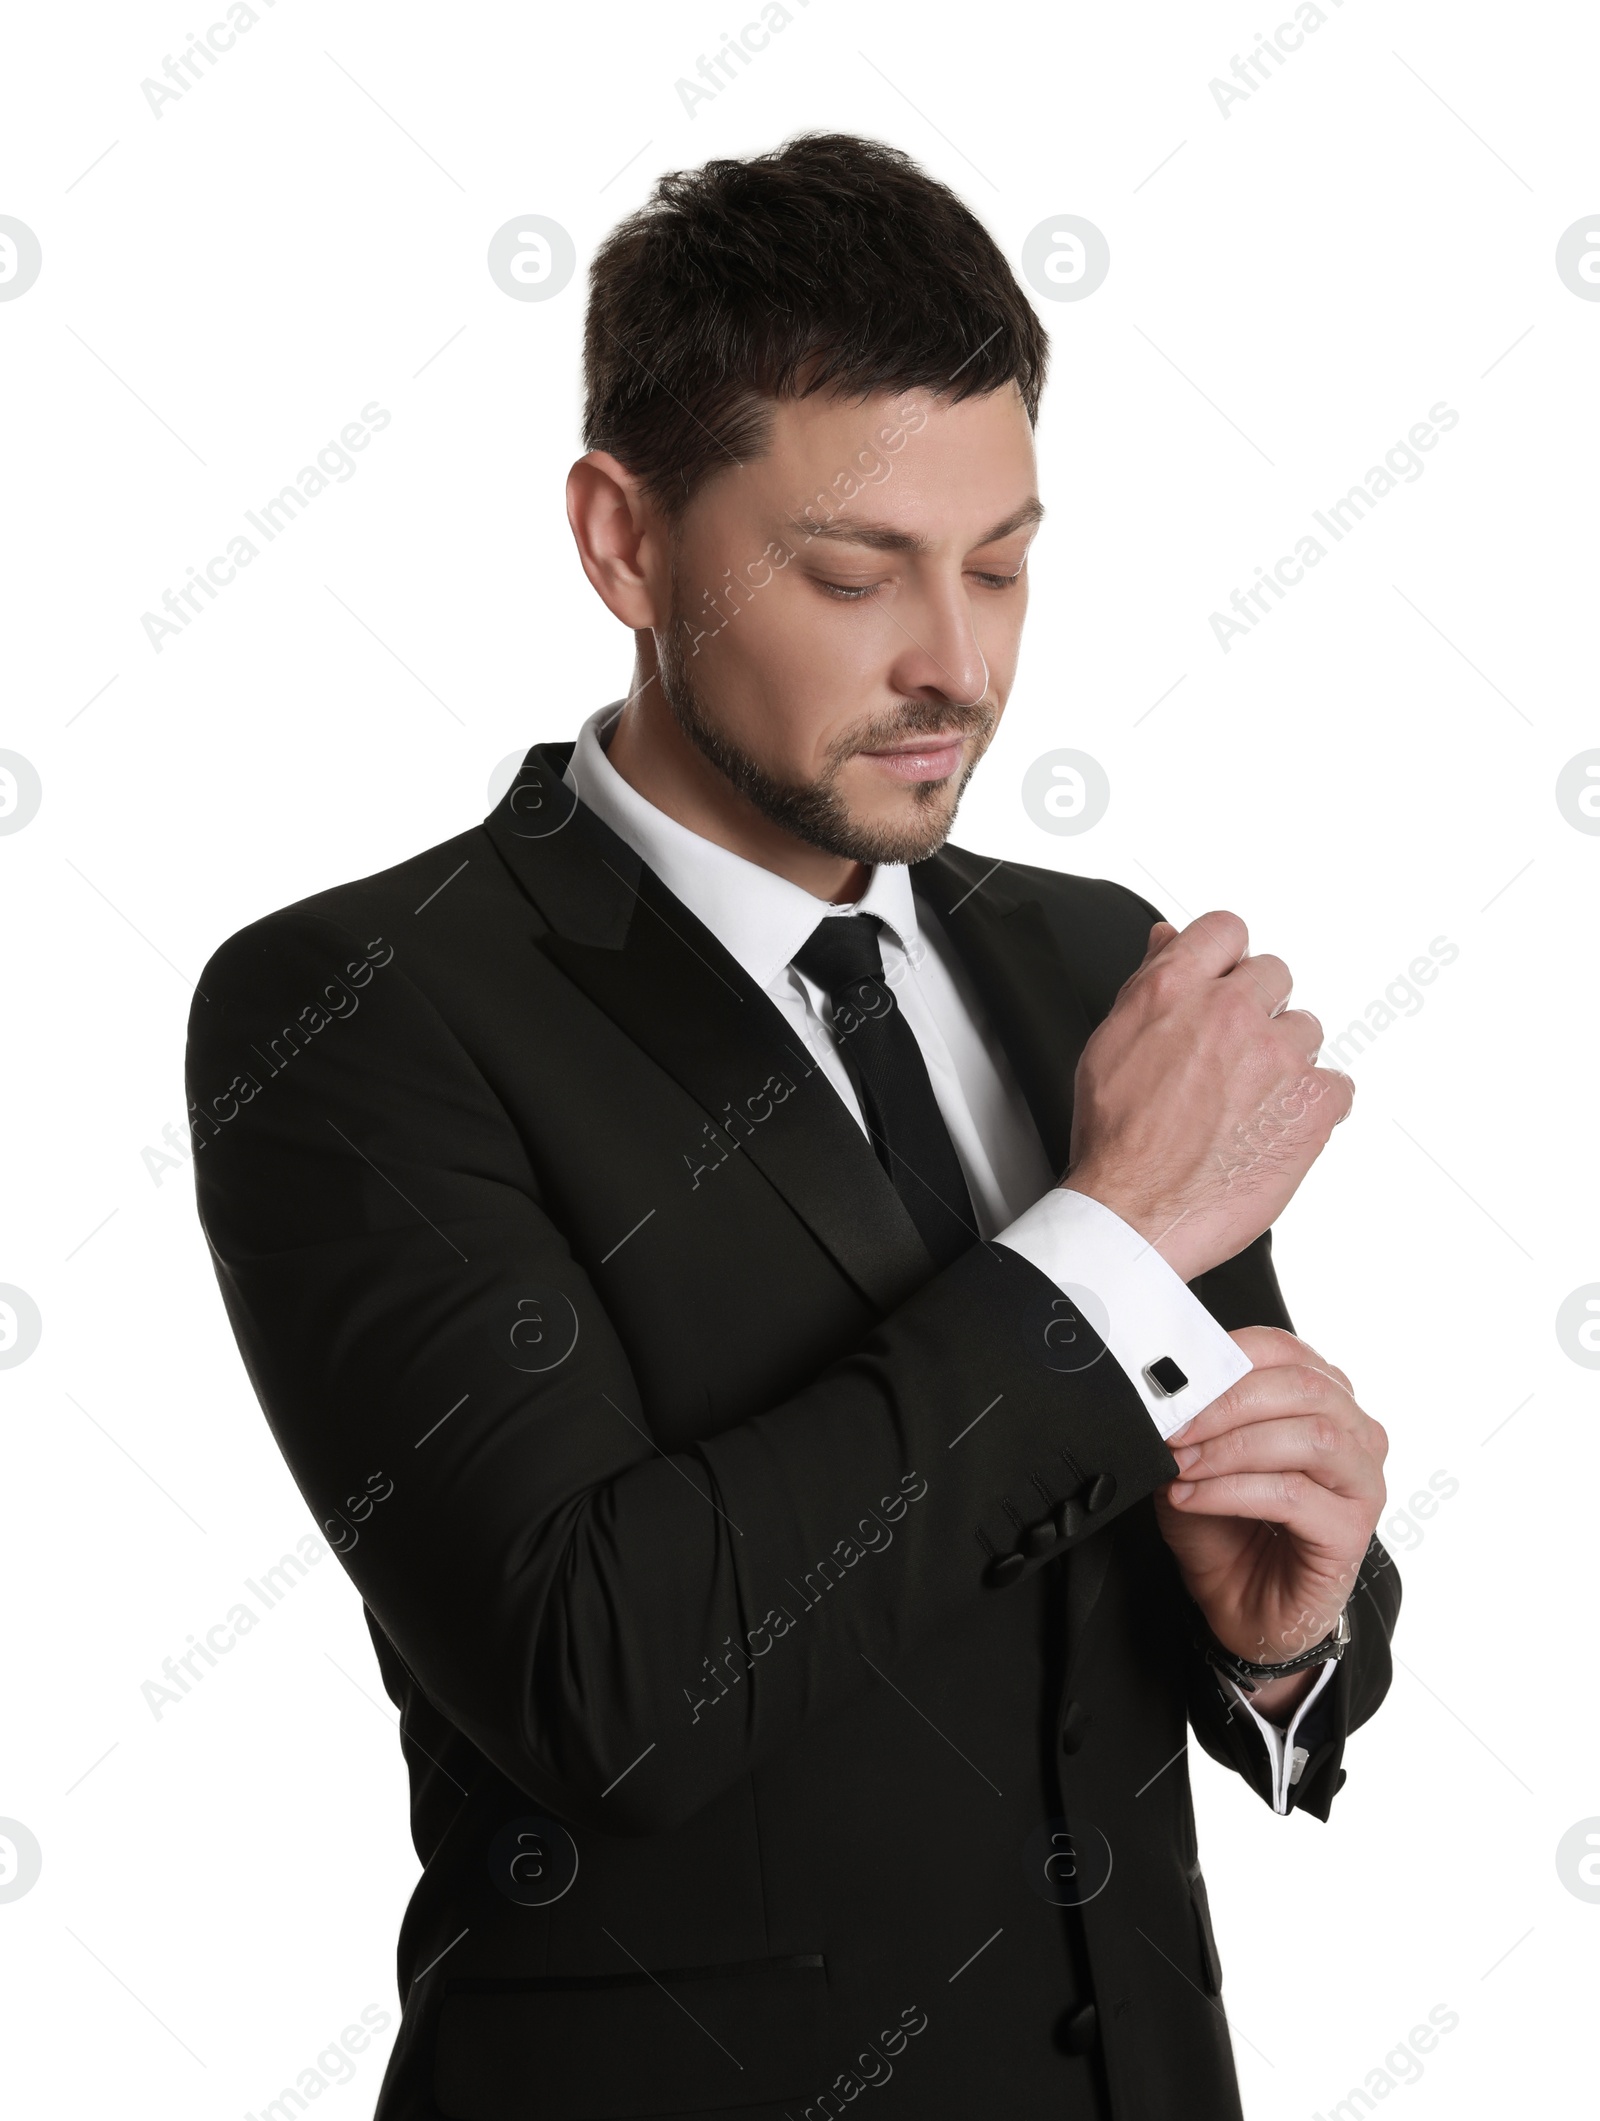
(913, 719)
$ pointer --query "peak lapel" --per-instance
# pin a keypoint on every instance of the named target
(995, 920)
(638, 953)
(1000, 929)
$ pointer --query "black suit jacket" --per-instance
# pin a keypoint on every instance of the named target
(748, 1769)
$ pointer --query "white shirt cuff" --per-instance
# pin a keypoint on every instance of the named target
(1288, 1759)
(1133, 1299)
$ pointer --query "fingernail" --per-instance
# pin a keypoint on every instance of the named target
(1183, 1428)
(1181, 1490)
(1187, 1457)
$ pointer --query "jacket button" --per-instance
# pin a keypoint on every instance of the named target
(1344, 1777)
(1102, 1489)
(1006, 1569)
(1077, 2030)
(1074, 1726)
(1069, 1520)
(1041, 1539)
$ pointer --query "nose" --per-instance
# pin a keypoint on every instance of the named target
(936, 654)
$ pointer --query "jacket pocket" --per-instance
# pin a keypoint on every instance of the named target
(684, 2039)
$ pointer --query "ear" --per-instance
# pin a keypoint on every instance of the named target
(621, 541)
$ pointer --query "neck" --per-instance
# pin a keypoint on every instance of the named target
(652, 754)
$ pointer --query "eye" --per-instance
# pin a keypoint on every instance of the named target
(1001, 581)
(844, 591)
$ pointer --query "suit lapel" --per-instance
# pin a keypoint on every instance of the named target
(1034, 1009)
(1037, 1014)
(639, 954)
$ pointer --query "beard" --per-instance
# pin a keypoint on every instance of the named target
(816, 811)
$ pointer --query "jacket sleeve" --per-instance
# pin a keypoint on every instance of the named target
(1354, 1693)
(1244, 1291)
(462, 1418)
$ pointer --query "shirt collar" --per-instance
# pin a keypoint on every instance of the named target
(759, 918)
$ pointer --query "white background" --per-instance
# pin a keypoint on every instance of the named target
(1374, 766)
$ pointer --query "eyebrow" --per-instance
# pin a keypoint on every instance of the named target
(883, 537)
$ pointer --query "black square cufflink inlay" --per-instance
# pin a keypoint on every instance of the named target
(1164, 1376)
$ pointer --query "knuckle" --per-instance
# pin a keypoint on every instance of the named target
(1228, 927)
(1326, 1434)
(1240, 1017)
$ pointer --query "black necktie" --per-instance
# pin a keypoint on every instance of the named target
(885, 1064)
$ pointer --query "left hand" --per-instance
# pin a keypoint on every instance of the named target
(1279, 1490)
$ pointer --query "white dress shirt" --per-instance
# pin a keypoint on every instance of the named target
(1133, 1299)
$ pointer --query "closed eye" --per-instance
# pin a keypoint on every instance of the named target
(849, 594)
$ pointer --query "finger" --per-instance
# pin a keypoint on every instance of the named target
(1323, 1096)
(1270, 1347)
(1295, 1501)
(1160, 935)
(1208, 948)
(1264, 979)
(1264, 1395)
(1334, 1083)
(1335, 1458)
(1306, 1029)
(1345, 1086)
(1289, 1392)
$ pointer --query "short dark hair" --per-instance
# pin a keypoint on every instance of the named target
(832, 263)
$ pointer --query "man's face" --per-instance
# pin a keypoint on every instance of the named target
(847, 610)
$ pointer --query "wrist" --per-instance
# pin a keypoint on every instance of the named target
(1166, 1235)
(1270, 1676)
(1277, 1699)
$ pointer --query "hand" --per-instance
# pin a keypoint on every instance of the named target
(1280, 1489)
(1197, 1109)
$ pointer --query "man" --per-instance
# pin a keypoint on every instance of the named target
(713, 1256)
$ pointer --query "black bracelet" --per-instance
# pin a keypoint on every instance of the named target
(1250, 1675)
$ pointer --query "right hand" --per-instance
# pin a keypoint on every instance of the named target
(1197, 1107)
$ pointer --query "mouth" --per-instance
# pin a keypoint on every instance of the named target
(928, 758)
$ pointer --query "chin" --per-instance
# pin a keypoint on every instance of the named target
(901, 832)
